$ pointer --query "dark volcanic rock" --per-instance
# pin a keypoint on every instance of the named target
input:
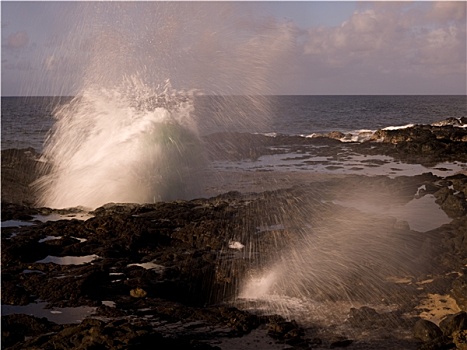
(455, 242)
(369, 318)
(425, 144)
(440, 343)
(452, 121)
(114, 335)
(19, 170)
(452, 202)
(287, 331)
(453, 323)
(459, 291)
(422, 134)
(460, 339)
(177, 298)
(14, 294)
(16, 327)
(426, 330)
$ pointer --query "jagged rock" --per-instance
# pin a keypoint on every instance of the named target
(440, 343)
(459, 291)
(138, 293)
(367, 317)
(113, 335)
(342, 343)
(451, 121)
(455, 205)
(426, 330)
(14, 294)
(425, 144)
(18, 326)
(191, 269)
(19, 170)
(337, 135)
(460, 339)
(453, 323)
(287, 331)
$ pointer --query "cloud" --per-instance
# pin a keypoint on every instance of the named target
(17, 40)
(448, 11)
(400, 37)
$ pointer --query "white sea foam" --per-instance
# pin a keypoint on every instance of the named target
(358, 136)
(111, 146)
(399, 127)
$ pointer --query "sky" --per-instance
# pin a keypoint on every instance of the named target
(305, 47)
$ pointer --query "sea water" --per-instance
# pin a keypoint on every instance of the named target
(27, 120)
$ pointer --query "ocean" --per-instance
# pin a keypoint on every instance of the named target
(27, 120)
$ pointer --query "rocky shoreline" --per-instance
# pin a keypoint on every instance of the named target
(170, 273)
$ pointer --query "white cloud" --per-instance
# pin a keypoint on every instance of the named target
(447, 11)
(394, 38)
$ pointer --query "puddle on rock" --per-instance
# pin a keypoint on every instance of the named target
(422, 214)
(15, 223)
(68, 260)
(149, 266)
(63, 315)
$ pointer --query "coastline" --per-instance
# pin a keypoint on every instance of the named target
(171, 272)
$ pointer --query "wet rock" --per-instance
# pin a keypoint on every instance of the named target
(13, 211)
(287, 331)
(459, 291)
(367, 317)
(451, 121)
(426, 330)
(453, 323)
(425, 144)
(342, 343)
(68, 289)
(19, 170)
(455, 241)
(18, 326)
(337, 135)
(113, 335)
(14, 294)
(440, 343)
(138, 293)
(240, 321)
(455, 205)
(460, 339)
(194, 271)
